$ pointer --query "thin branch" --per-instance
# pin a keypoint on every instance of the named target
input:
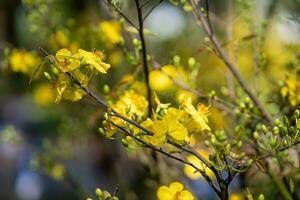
(160, 150)
(151, 9)
(231, 66)
(121, 13)
(144, 53)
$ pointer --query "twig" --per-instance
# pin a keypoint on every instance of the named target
(121, 14)
(144, 53)
(151, 9)
(231, 66)
(160, 150)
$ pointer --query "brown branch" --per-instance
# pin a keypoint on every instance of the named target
(231, 66)
(144, 53)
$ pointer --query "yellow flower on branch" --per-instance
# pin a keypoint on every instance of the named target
(199, 115)
(94, 59)
(66, 61)
(175, 191)
(130, 104)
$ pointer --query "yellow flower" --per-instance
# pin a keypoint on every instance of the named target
(43, 95)
(199, 115)
(23, 61)
(292, 91)
(66, 90)
(167, 126)
(190, 171)
(111, 31)
(95, 59)
(175, 191)
(66, 61)
(131, 105)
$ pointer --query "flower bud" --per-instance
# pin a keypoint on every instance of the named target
(239, 144)
(264, 129)
(47, 75)
(261, 197)
(255, 135)
(275, 130)
(99, 192)
(106, 89)
(297, 114)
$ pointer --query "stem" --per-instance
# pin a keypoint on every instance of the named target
(160, 150)
(231, 66)
(144, 53)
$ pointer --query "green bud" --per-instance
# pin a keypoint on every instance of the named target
(242, 155)
(250, 162)
(125, 142)
(264, 129)
(106, 194)
(255, 135)
(101, 131)
(285, 143)
(176, 60)
(275, 130)
(207, 143)
(106, 89)
(277, 122)
(115, 198)
(242, 105)
(297, 113)
(220, 135)
(237, 112)
(272, 142)
(192, 62)
(239, 144)
(261, 197)
(136, 42)
(212, 93)
(99, 192)
(54, 70)
(47, 75)
(227, 149)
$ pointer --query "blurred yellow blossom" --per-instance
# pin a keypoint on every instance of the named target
(43, 94)
(59, 39)
(291, 90)
(236, 196)
(175, 191)
(23, 61)
(190, 171)
(111, 30)
(57, 171)
(160, 80)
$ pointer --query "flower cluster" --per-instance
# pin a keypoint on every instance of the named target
(80, 66)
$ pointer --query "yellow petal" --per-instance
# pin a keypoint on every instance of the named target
(164, 193)
(176, 187)
(185, 195)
